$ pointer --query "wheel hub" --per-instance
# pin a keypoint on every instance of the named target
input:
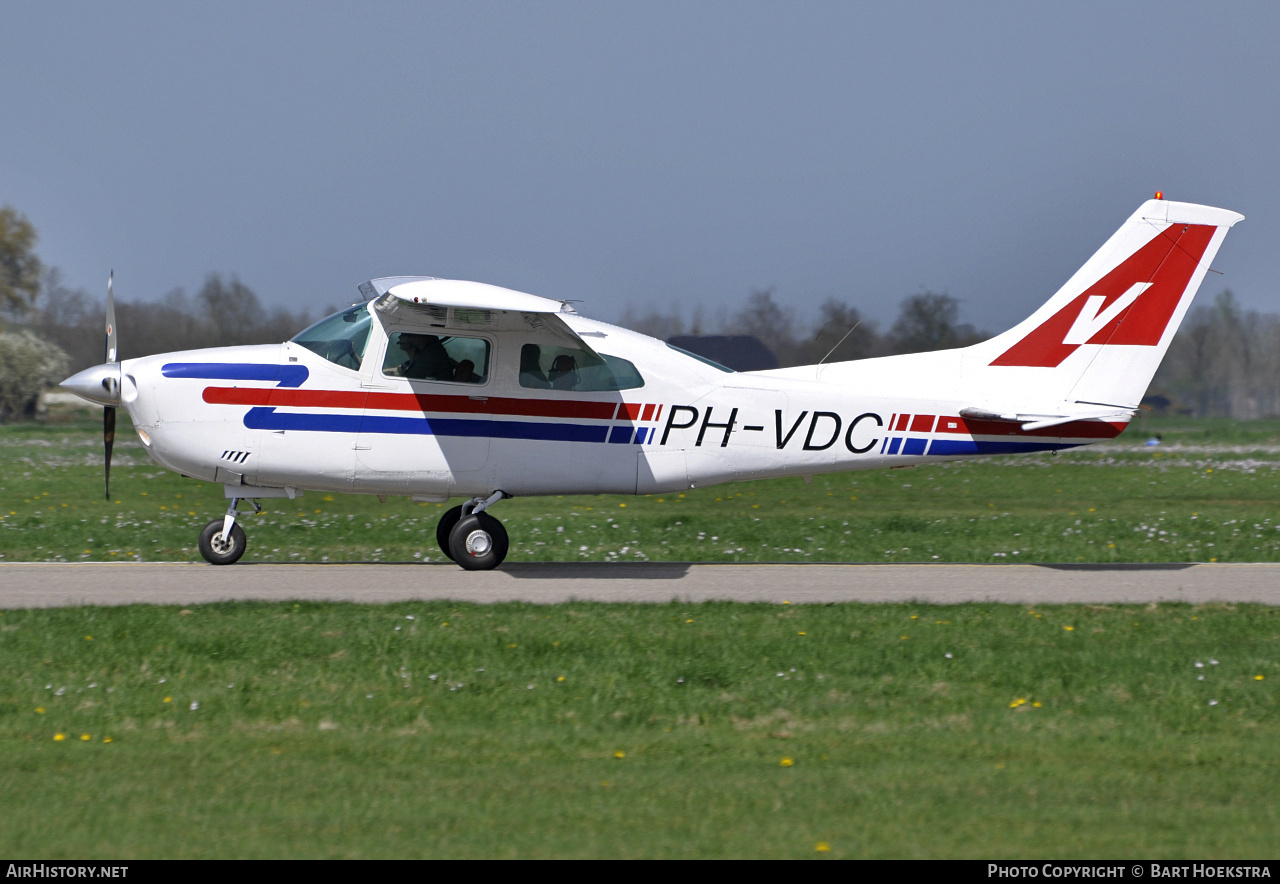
(220, 543)
(479, 543)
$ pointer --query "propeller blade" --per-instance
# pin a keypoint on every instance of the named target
(110, 350)
(110, 354)
(108, 440)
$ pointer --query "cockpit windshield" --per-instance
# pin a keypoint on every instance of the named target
(340, 338)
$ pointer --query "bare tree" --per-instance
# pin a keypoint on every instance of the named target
(19, 267)
(928, 321)
(842, 334)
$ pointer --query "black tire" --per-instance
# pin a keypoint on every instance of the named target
(495, 540)
(228, 556)
(444, 526)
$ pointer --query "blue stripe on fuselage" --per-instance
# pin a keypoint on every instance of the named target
(287, 375)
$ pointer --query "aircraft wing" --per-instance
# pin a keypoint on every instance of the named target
(429, 296)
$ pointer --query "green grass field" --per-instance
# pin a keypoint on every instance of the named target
(424, 730)
(712, 730)
(1209, 492)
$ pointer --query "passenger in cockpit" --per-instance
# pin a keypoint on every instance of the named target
(531, 368)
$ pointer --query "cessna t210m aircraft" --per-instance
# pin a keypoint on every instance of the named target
(437, 388)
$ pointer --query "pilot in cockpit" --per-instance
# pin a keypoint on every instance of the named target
(427, 360)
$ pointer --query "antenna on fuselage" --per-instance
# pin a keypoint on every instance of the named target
(839, 342)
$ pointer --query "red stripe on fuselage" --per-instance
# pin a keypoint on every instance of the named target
(419, 402)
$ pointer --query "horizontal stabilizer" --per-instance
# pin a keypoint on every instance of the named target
(1032, 421)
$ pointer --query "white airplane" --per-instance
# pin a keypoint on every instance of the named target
(437, 388)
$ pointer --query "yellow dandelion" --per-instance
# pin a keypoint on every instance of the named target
(688, 621)
(1018, 702)
(107, 740)
(168, 699)
(559, 678)
(512, 645)
(822, 847)
(1257, 678)
(903, 638)
(88, 638)
(1069, 628)
(85, 737)
(1037, 704)
(619, 754)
(802, 633)
(785, 602)
(58, 738)
(623, 505)
(915, 616)
(786, 762)
(39, 710)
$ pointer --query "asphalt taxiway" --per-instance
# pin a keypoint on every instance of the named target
(54, 585)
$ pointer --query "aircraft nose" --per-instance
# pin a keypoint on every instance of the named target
(100, 384)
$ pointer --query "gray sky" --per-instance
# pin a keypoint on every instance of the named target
(633, 153)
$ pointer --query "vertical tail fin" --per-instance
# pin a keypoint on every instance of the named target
(1099, 340)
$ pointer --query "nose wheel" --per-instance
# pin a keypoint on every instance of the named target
(471, 537)
(222, 542)
(219, 548)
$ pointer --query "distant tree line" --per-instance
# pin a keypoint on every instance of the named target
(224, 312)
(1223, 362)
(927, 321)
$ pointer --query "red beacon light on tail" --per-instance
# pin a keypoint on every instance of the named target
(1159, 194)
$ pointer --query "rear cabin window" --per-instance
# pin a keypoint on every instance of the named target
(562, 368)
(437, 358)
(340, 338)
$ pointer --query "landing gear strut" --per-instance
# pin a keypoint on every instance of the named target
(471, 537)
(222, 542)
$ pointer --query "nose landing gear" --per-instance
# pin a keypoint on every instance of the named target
(471, 537)
(222, 542)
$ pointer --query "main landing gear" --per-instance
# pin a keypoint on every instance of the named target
(222, 542)
(471, 537)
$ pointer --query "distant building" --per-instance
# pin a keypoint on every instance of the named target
(739, 352)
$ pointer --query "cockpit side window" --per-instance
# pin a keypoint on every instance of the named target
(430, 357)
(340, 338)
(544, 367)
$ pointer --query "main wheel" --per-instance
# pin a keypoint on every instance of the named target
(478, 542)
(444, 526)
(216, 549)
